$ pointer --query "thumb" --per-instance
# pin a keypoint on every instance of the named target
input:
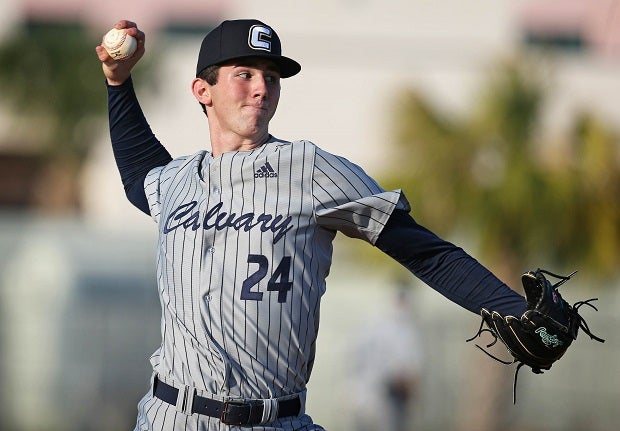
(102, 54)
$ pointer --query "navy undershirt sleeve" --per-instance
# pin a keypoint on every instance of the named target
(136, 149)
(446, 268)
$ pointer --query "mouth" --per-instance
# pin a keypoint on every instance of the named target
(258, 108)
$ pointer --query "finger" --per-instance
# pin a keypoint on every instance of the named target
(103, 54)
(135, 32)
(131, 28)
(124, 23)
(105, 58)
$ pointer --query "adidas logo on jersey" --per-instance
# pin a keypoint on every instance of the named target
(266, 171)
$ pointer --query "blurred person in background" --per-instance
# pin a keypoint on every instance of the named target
(386, 367)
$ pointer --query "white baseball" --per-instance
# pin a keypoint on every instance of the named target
(119, 44)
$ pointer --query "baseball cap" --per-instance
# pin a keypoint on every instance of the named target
(244, 38)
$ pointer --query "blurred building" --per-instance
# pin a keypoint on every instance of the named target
(150, 15)
(590, 28)
(356, 58)
(80, 313)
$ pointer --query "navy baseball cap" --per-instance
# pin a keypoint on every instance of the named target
(244, 38)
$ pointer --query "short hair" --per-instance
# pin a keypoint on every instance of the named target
(210, 75)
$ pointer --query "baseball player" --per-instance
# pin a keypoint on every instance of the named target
(245, 240)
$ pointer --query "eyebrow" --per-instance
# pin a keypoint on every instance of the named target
(258, 63)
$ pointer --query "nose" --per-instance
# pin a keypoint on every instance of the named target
(260, 88)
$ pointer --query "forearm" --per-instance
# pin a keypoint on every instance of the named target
(135, 147)
(446, 268)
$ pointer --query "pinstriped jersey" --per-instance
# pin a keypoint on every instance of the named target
(244, 246)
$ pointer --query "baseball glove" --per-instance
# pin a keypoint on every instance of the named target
(543, 333)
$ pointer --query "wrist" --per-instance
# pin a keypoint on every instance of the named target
(118, 83)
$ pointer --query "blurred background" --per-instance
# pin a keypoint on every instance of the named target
(498, 118)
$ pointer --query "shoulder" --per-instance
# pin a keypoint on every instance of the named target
(309, 152)
(319, 157)
(303, 145)
(300, 148)
(185, 162)
(282, 144)
(338, 162)
(177, 167)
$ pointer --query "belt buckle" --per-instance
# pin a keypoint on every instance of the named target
(225, 413)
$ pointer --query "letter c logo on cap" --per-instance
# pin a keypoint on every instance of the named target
(260, 38)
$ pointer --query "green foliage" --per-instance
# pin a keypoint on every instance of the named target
(592, 186)
(50, 71)
(492, 174)
(51, 80)
(50, 75)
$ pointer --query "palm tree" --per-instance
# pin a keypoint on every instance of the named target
(493, 174)
(521, 197)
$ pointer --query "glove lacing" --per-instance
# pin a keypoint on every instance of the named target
(537, 370)
(481, 330)
(582, 323)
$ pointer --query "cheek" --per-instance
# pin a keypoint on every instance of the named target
(274, 106)
(225, 99)
(275, 97)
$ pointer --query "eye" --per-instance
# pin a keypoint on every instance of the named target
(272, 79)
(245, 75)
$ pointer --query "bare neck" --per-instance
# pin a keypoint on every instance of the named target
(224, 144)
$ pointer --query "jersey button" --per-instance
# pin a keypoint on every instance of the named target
(211, 249)
(216, 192)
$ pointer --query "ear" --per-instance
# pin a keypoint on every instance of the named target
(201, 91)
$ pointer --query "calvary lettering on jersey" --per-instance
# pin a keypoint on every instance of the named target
(184, 216)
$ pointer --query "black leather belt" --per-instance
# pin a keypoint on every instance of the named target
(228, 412)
